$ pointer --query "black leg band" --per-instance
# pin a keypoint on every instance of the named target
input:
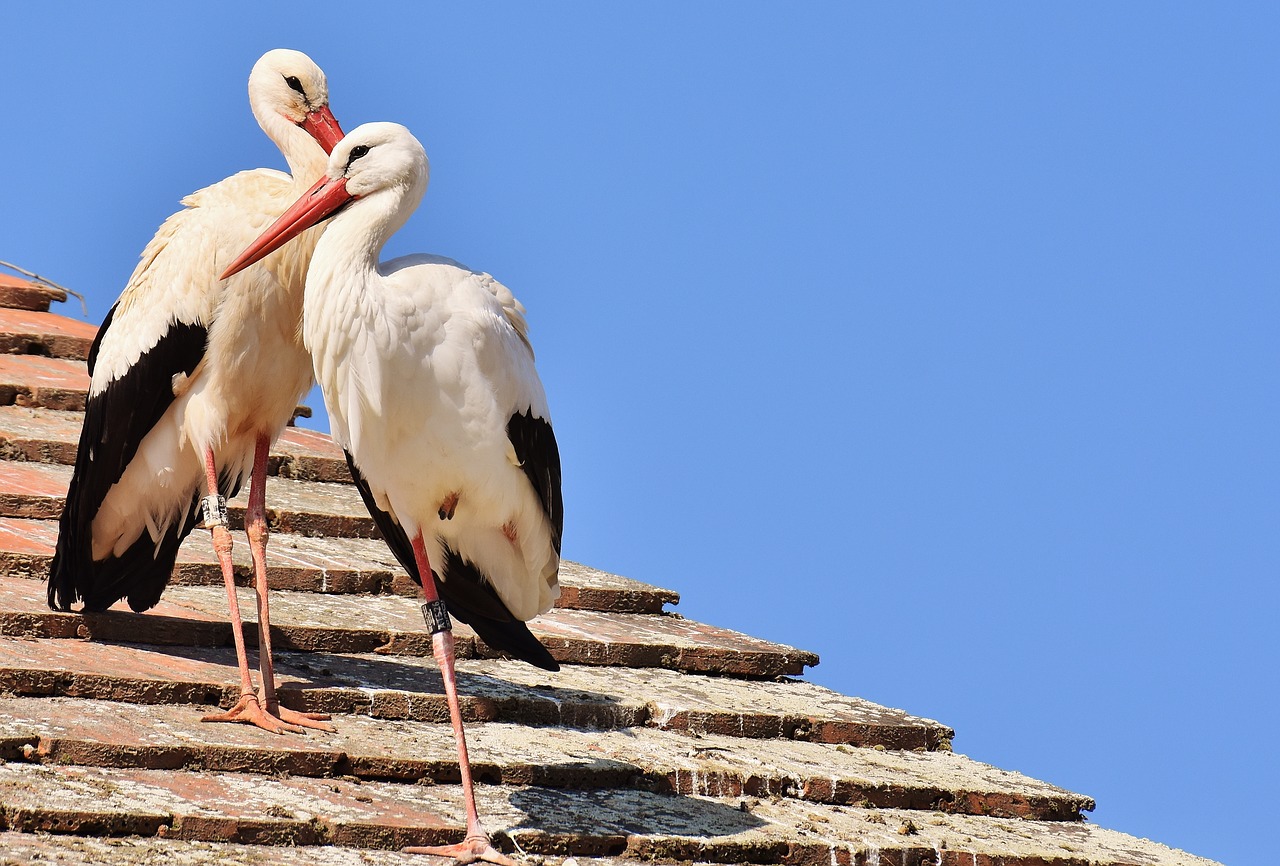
(436, 616)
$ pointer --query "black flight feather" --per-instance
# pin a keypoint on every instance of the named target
(115, 423)
(535, 446)
(467, 594)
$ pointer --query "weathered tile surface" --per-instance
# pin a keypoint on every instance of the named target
(39, 435)
(30, 849)
(305, 455)
(196, 616)
(320, 622)
(100, 733)
(302, 507)
(21, 294)
(246, 808)
(615, 756)
(303, 563)
(409, 687)
(50, 436)
(27, 332)
(53, 383)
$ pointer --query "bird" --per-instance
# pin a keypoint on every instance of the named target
(428, 377)
(191, 379)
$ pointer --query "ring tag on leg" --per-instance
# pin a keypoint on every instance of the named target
(436, 616)
(213, 508)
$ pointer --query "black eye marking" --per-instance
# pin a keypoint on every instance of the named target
(294, 84)
(356, 152)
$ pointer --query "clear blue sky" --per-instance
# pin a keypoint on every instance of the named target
(939, 339)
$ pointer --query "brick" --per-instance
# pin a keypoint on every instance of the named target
(295, 562)
(27, 332)
(196, 615)
(585, 588)
(39, 435)
(616, 756)
(62, 850)
(32, 490)
(306, 508)
(97, 733)
(306, 455)
(399, 687)
(51, 436)
(333, 624)
(244, 808)
(20, 294)
(325, 565)
(51, 383)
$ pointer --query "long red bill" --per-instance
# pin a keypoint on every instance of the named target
(323, 127)
(326, 196)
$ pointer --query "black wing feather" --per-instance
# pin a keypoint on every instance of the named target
(97, 338)
(115, 423)
(467, 594)
(535, 444)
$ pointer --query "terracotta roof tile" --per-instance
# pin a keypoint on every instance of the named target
(50, 383)
(19, 294)
(661, 739)
(27, 332)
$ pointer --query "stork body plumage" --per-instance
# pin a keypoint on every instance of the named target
(193, 376)
(428, 377)
(430, 386)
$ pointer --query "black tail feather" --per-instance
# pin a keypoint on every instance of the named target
(116, 420)
(139, 575)
(467, 594)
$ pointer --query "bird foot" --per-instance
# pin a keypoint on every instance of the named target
(318, 721)
(248, 711)
(469, 850)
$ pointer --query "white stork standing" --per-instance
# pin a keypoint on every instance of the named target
(429, 380)
(191, 379)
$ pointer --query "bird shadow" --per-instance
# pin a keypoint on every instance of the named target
(393, 683)
(614, 822)
(388, 687)
(594, 804)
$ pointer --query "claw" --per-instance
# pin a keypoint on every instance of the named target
(319, 721)
(469, 850)
(248, 711)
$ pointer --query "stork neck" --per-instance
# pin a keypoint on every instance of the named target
(305, 156)
(351, 245)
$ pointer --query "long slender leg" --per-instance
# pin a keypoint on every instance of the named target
(256, 528)
(247, 709)
(476, 845)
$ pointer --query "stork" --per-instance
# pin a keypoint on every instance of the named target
(428, 377)
(191, 379)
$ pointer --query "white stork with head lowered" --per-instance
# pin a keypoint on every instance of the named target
(192, 376)
(429, 381)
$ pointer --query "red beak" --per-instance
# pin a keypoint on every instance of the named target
(323, 127)
(317, 203)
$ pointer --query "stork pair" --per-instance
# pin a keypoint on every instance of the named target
(427, 374)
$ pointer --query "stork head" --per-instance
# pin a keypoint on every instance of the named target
(383, 156)
(289, 85)
(376, 161)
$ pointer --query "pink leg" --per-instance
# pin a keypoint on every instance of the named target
(246, 709)
(256, 529)
(476, 845)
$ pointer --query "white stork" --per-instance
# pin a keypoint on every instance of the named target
(191, 379)
(429, 380)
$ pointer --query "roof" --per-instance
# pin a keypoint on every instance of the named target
(661, 739)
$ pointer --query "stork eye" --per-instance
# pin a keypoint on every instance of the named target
(356, 152)
(294, 84)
